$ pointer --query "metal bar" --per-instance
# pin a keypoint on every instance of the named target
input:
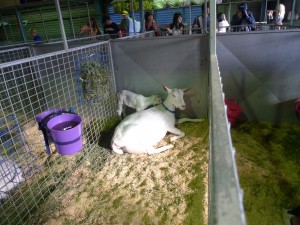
(61, 24)
(44, 27)
(293, 12)
(212, 33)
(4, 28)
(89, 16)
(25, 60)
(190, 31)
(141, 7)
(266, 9)
(229, 13)
(21, 25)
(71, 20)
(133, 17)
(225, 195)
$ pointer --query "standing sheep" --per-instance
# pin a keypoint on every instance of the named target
(136, 101)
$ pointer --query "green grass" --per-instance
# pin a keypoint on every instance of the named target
(194, 210)
(268, 165)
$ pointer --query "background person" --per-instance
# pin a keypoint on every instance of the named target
(34, 35)
(202, 20)
(176, 27)
(278, 18)
(270, 17)
(280, 14)
(150, 24)
(243, 18)
(96, 29)
(92, 28)
(126, 24)
(111, 28)
(222, 23)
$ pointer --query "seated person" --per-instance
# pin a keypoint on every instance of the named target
(92, 28)
(176, 27)
(242, 19)
(150, 24)
(33, 33)
(111, 28)
(199, 21)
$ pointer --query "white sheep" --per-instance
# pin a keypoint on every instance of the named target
(135, 101)
(10, 176)
(140, 131)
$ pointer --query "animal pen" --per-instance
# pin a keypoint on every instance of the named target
(38, 188)
(31, 85)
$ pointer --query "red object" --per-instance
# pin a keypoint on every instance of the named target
(123, 32)
(233, 110)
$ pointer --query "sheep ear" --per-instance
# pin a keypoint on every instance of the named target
(166, 88)
(186, 89)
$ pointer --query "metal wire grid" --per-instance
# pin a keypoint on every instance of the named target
(84, 40)
(139, 35)
(9, 55)
(12, 53)
(29, 87)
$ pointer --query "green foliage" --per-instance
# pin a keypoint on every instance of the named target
(120, 6)
(268, 166)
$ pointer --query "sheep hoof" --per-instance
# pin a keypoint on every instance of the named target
(119, 151)
(172, 139)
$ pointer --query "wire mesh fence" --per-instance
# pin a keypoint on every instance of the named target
(9, 55)
(16, 52)
(29, 87)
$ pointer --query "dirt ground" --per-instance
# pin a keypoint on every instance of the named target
(166, 188)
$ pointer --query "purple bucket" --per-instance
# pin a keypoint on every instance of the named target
(42, 115)
(66, 133)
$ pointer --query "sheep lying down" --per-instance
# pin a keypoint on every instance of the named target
(140, 131)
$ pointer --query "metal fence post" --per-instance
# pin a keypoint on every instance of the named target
(61, 25)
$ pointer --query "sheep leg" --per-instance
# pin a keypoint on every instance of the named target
(120, 108)
(117, 149)
(159, 150)
(177, 132)
(183, 120)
